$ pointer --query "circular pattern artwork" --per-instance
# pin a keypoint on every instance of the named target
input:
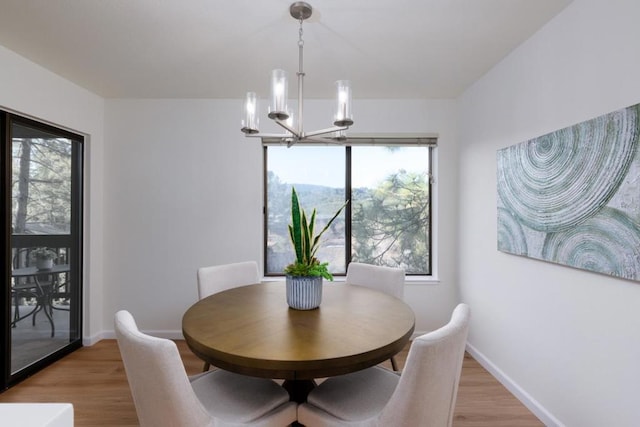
(607, 243)
(511, 237)
(554, 182)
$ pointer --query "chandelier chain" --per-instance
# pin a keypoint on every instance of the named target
(300, 48)
(300, 41)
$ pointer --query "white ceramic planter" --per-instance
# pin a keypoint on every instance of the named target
(304, 292)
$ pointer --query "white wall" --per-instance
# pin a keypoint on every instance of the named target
(30, 90)
(565, 340)
(176, 178)
(185, 190)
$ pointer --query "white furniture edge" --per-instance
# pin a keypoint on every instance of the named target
(37, 414)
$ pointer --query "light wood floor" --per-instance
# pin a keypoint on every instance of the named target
(93, 379)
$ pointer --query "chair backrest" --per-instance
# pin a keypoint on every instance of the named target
(218, 278)
(161, 390)
(389, 280)
(428, 387)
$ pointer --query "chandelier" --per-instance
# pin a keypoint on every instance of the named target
(280, 113)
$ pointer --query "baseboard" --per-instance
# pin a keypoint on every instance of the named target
(89, 341)
(527, 400)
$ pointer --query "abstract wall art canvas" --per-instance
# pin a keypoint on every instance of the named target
(573, 196)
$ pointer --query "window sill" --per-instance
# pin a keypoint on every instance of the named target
(409, 280)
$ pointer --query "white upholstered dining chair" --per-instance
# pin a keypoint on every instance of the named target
(218, 278)
(389, 280)
(423, 395)
(165, 396)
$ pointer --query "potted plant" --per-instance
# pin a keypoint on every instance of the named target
(43, 257)
(305, 274)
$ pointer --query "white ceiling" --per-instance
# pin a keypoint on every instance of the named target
(221, 49)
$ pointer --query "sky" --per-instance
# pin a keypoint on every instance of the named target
(317, 164)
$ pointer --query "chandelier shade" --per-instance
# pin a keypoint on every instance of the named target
(279, 111)
(343, 108)
(279, 95)
(250, 111)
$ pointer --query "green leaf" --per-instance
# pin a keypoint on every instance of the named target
(305, 236)
(296, 230)
(305, 244)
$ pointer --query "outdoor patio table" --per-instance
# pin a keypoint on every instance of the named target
(44, 292)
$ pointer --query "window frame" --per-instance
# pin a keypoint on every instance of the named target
(421, 140)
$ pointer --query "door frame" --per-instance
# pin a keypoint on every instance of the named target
(7, 379)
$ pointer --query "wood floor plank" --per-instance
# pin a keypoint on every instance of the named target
(94, 381)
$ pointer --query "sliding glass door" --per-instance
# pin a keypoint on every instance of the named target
(42, 251)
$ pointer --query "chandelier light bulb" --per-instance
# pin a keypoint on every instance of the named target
(343, 109)
(279, 93)
(250, 114)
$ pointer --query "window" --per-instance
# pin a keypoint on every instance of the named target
(388, 219)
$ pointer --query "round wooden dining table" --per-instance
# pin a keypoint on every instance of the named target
(251, 330)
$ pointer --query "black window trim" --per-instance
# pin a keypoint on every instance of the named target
(417, 140)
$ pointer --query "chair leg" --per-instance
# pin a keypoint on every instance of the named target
(16, 312)
(42, 307)
(206, 367)
(394, 364)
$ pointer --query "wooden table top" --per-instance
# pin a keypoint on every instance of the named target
(251, 330)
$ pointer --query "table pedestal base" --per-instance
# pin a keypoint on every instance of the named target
(298, 389)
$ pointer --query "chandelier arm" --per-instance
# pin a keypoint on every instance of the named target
(269, 135)
(287, 127)
(325, 131)
(322, 139)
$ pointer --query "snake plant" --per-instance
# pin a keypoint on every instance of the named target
(305, 243)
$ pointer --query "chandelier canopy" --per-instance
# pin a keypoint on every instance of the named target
(280, 113)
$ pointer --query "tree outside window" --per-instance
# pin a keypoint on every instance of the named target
(41, 193)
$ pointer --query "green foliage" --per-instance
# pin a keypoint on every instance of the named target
(315, 268)
(42, 253)
(41, 188)
(388, 223)
(305, 243)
